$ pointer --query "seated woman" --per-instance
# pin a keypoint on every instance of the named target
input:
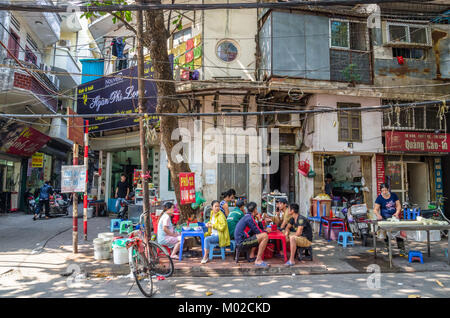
(166, 234)
(217, 230)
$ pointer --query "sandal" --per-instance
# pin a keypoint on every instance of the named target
(289, 263)
(262, 264)
(204, 261)
(251, 259)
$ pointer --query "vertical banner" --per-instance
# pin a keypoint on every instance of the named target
(379, 164)
(37, 160)
(438, 178)
(187, 187)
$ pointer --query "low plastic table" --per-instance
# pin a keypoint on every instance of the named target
(330, 221)
(185, 234)
(277, 235)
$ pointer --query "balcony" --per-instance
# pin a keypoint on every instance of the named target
(66, 63)
(20, 92)
(46, 25)
(102, 26)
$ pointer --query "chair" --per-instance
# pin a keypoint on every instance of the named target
(212, 254)
(318, 217)
(411, 214)
(415, 255)
(160, 252)
(347, 239)
(239, 248)
(232, 246)
(126, 227)
(185, 234)
(115, 224)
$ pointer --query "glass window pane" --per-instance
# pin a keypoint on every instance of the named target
(355, 122)
(418, 35)
(344, 134)
(355, 134)
(344, 122)
(419, 118)
(397, 33)
(358, 36)
(339, 34)
(394, 170)
(227, 51)
(433, 121)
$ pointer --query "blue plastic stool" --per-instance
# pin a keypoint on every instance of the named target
(413, 254)
(126, 227)
(347, 239)
(115, 224)
(232, 246)
(211, 251)
(185, 234)
(411, 214)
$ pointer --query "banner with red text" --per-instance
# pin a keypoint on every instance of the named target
(187, 187)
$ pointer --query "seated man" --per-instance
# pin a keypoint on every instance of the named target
(234, 217)
(298, 232)
(255, 236)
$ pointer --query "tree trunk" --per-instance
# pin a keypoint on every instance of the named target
(155, 34)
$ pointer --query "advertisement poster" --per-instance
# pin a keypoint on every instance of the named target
(187, 187)
(73, 179)
(37, 160)
(438, 178)
(379, 165)
(116, 95)
(75, 130)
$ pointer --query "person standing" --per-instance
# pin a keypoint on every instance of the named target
(387, 205)
(44, 199)
(122, 191)
(328, 185)
(227, 197)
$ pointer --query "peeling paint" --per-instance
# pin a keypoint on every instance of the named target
(437, 37)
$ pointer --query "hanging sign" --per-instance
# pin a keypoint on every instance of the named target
(37, 160)
(73, 179)
(417, 142)
(438, 178)
(187, 187)
(379, 166)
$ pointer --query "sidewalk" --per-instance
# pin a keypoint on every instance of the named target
(329, 258)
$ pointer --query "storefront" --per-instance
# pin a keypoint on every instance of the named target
(413, 166)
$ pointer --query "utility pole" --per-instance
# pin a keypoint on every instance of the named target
(141, 89)
(75, 206)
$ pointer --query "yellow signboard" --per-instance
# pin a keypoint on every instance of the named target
(37, 160)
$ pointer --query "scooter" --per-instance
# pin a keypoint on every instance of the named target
(59, 206)
(123, 209)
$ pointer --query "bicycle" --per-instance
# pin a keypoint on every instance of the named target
(147, 261)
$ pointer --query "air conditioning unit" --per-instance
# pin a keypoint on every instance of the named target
(64, 43)
(287, 120)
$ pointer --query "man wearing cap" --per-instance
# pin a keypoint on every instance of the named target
(235, 215)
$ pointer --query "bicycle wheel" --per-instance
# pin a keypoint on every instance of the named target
(141, 271)
(160, 263)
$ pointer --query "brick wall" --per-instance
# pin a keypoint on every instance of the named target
(27, 82)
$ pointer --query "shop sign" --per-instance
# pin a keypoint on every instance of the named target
(438, 178)
(416, 142)
(75, 130)
(37, 160)
(117, 95)
(73, 179)
(187, 187)
(379, 166)
(24, 141)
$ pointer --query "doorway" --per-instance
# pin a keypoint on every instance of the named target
(284, 179)
(417, 184)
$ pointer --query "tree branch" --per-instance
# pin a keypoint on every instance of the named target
(127, 25)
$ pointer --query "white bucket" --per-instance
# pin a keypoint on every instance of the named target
(120, 255)
(101, 249)
(108, 237)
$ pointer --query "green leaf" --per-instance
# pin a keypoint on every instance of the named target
(114, 20)
(180, 27)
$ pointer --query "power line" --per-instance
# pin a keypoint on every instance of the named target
(331, 109)
(187, 7)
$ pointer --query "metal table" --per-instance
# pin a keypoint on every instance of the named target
(404, 227)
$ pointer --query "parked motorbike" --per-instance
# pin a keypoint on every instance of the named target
(123, 209)
(59, 205)
(357, 220)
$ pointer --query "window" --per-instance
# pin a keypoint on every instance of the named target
(349, 123)
(409, 53)
(30, 56)
(348, 35)
(227, 51)
(13, 44)
(404, 33)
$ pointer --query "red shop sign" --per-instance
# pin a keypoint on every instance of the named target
(187, 187)
(379, 163)
(416, 142)
(27, 143)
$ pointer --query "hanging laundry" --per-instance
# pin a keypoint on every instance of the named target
(185, 75)
(182, 59)
(114, 47)
(182, 48)
(189, 56)
(176, 61)
(120, 46)
(191, 65)
(198, 52)
(195, 75)
(189, 44)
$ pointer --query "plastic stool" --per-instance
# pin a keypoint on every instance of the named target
(302, 253)
(160, 252)
(115, 224)
(211, 251)
(126, 227)
(347, 239)
(232, 246)
(237, 252)
(414, 255)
